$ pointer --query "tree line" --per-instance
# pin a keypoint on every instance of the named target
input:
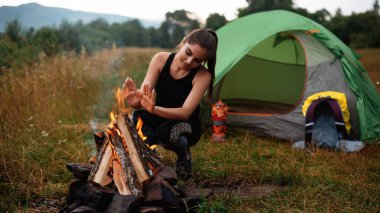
(20, 46)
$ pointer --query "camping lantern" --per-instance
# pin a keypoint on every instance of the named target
(219, 117)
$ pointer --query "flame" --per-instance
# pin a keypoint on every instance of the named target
(111, 126)
(114, 153)
(141, 134)
(112, 118)
(139, 127)
(119, 95)
(111, 135)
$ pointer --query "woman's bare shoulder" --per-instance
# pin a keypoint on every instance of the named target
(161, 56)
(203, 71)
(158, 61)
(202, 75)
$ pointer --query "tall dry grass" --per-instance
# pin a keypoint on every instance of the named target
(45, 110)
(37, 102)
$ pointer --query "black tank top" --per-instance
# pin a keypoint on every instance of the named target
(172, 93)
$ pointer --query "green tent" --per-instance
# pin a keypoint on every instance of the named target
(268, 63)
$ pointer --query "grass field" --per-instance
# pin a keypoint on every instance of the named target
(45, 114)
(370, 60)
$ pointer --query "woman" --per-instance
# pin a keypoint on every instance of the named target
(170, 95)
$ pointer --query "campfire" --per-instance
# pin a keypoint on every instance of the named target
(126, 175)
(123, 158)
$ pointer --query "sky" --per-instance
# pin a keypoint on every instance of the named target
(155, 10)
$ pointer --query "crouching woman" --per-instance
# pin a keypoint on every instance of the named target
(168, 100)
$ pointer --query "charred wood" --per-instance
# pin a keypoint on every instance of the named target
(75, 185)
(168, 174)
(160, 190)
(94, 196)
(80, 170)
(121, 203)
(100, 138)
(84, 209)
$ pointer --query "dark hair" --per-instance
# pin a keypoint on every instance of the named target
(206, 38)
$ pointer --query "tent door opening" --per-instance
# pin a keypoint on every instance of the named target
(268, 80)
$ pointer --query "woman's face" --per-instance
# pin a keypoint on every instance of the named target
(191, 56)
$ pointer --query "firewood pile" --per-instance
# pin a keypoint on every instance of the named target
(127, 176)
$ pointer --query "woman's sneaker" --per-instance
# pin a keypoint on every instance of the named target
(183, 167)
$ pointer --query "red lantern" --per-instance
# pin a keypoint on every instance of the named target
(219, 118)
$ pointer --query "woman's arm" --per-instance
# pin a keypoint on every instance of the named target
(200, 85)
(156, 65)
(132, 96)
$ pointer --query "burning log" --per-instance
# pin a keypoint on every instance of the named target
(123, 169)
(120, 179)
(123, 158)
(144, 159)
(99, 173)
(127, 131)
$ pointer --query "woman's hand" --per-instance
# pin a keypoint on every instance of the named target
(147, 98)
(131, 93)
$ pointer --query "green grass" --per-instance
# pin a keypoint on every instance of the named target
(327, 181)
(44, 124)
(286, 179)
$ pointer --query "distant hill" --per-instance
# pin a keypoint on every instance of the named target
(36, 16)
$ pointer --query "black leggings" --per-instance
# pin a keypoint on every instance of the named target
(164, 131)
